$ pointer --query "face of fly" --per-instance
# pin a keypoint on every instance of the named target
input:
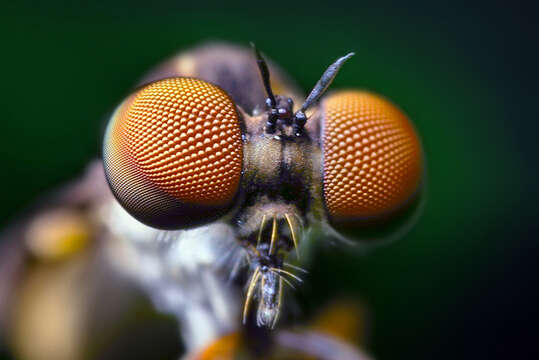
(227, 137)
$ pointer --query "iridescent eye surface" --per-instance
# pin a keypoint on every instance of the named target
(173, 153)
(372, 158)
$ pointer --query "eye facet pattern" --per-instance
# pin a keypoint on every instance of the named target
(372, 157)
(173, 153)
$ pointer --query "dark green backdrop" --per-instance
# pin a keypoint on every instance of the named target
(459, 284)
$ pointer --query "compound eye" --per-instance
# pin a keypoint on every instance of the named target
(372, 159)
(173, 153)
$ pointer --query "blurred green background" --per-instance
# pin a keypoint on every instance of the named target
(460, 284)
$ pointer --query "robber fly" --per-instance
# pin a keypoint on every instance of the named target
(219, 134)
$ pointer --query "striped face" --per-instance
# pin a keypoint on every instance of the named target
(173, 153)
(372, 159)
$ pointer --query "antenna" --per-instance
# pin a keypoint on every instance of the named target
(264, 72)
(320, 87)
(282, 111)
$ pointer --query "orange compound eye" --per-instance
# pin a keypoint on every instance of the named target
(372, 158)
(173, 153)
